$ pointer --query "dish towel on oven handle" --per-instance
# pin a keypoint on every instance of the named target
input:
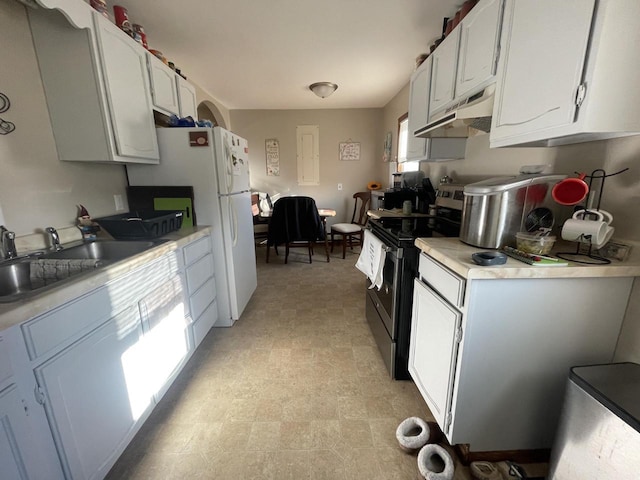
(371, 259)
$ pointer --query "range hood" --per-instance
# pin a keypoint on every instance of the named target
(474, 111)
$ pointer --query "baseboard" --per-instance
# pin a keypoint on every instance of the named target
(518, 456)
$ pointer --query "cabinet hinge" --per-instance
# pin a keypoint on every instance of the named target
(458, 335)
(580, 94)
(447, 421)
(39, 394)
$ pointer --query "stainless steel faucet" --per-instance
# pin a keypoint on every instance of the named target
(55, 239)
(8, 243)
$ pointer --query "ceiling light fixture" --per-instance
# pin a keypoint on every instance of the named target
(323, 89)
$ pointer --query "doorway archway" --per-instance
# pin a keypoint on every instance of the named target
(208, 111)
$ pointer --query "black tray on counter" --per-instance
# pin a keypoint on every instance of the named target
(141, 224)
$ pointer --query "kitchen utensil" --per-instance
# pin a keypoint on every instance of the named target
(585, 231)
(570, 191)
(600, 215)
(539, 218)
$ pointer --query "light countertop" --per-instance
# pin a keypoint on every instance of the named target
(396, 213)
(456, 256)
(64, 290)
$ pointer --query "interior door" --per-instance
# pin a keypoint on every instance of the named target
(541, 67)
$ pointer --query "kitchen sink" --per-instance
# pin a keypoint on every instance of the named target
(18, 281)
(107, 250)
(15, 278)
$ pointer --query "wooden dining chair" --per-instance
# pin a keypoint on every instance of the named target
(295, 222)
(353, 230)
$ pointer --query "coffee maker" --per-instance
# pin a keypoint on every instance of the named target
(420, 193)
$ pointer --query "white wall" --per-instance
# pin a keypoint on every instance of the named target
(36, 189)
(358, 125)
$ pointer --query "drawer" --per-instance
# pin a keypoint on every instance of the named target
(55, 328)
(443, 280)
(207, 320)
(202, 298)
(199, 272)
(197, 249)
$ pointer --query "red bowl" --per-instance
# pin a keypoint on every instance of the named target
(570, 191)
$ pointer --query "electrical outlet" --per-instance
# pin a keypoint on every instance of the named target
(339, 186)
(119, 203)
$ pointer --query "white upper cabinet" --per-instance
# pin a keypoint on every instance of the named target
(568, 82)
(127, 83)
(187, 98)
(478, 53)
(164, 87)
(94, 77)
(418, 109)
(171, 94)
(443, 76)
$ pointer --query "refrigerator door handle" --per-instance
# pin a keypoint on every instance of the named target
(234, 222)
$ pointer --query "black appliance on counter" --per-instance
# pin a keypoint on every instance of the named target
(388, 310)
(420, 197)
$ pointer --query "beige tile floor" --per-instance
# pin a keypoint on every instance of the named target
(296, 389)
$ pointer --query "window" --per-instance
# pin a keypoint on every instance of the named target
(403, 135)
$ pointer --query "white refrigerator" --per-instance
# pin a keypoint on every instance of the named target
(216, 163)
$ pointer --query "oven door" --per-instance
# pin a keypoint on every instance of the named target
(385, 298)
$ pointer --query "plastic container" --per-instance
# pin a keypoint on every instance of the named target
(536, 244)
(141, 225)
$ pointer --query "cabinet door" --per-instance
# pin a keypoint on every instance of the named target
(443, 76)
(187, 96)
(127, 84)
(418, 109)
(435, 335)
(479, 36)
(166, 336)
(96, 394)
(541, 67)
(164, 88)
(14, 437)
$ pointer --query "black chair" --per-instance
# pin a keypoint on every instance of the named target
(353, 230)
(295, 222)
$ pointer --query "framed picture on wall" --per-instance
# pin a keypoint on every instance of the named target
(272, 150)
(349, 151)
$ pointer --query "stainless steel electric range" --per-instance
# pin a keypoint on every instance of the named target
(388, 310)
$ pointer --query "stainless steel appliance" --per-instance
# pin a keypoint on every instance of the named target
(599, 432)
(496, 209)
(388, 310)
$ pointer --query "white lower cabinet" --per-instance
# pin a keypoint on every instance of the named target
(433, 350)
(15, 439)
(95, 393)
(78, 381)
(167, 343)
(491, 356)
(201, 287)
